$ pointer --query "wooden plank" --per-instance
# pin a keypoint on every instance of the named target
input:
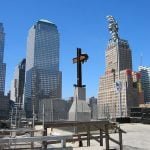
(21, 130)
(121, 129)
(73, 123)
(24, 148)
(33, 139)
(115, 141)
(75, 139)
(96, 138)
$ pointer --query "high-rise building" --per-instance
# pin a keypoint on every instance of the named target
(4, 106)
(4, 100)
(17, 93)
(93, 107)
(119, 88)
(2, 65)
(43, 78)
(17, 84)
(54, 109)
(145, 80)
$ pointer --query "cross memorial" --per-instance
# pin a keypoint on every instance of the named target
(79, 60)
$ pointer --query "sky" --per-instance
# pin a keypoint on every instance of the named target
(81, 24)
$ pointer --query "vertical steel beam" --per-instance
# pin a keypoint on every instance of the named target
(79, 68)
(44, 143)
(88, 135)
(120, 139)
(106, 137)
(101, 137)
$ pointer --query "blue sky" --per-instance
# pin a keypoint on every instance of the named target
(81, 23)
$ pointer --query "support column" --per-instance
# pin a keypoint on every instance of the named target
(44, 143)
(80, 141)
(120, 139)
(63, 143)
(101, 137)
(107, 137)
(88, 135)
(32, 143)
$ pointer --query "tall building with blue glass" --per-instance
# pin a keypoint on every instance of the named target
(4, 100)
(145, 80)
(43, 78)
(17, 84)
(2, 65)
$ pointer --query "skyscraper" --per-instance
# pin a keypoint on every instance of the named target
(43, 78)
(17, 85)
(4, 100)
(145, 80)
(2, 65)
(119, 88)
(93, 106)
(16, 93)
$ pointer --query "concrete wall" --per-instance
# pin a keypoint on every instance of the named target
(55, 109)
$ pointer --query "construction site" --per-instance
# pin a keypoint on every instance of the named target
(69, 135)
(43, 136)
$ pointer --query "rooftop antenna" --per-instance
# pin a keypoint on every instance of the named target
(113, 28)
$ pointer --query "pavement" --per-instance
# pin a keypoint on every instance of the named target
(137, 136)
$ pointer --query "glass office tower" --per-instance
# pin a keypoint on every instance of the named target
(17, 85)
(2, 65)
(145, 78)
(43, 78)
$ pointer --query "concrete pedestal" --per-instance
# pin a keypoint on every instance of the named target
(79, 110)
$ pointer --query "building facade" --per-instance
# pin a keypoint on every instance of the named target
(2, 65)
(17, 84)
(43, 78)
(119, 88)
(93, 107)
(4, 107)
(145, 80)
(4, 100)
(17, 93)
(53, 110)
